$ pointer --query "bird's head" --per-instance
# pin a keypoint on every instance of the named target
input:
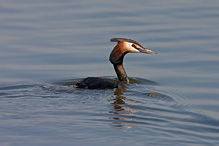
(125, 46)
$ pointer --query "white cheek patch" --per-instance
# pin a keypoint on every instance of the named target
(130, 48)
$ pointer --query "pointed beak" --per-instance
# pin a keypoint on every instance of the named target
(145, 50)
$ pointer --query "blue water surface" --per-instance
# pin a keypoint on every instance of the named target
(48, 45)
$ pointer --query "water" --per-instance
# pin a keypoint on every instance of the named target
(47, 45)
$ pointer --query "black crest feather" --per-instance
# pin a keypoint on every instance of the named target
(125, 40)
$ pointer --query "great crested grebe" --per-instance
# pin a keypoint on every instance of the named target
(123, 47)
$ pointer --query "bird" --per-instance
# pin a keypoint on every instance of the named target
(116, 57)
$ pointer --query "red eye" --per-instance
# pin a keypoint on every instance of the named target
(133, 45)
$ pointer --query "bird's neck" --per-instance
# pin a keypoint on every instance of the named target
(116, 58)
(120, 71)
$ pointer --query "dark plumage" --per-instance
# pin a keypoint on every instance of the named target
(96, 83)
(125, 40)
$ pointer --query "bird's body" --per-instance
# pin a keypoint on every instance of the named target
(96, 83)
(123, 47)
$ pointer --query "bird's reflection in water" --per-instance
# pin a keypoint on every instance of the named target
(120, 109)
(124, 113)
(119, 99)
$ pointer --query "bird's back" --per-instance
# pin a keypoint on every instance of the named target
(96, 83)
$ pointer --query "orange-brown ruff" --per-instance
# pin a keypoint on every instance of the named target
(123, 47)
(118, 52)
